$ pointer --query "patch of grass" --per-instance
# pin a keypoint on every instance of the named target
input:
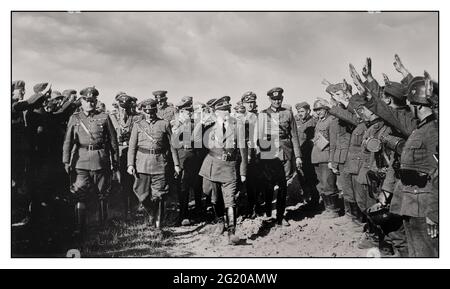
(126, 239)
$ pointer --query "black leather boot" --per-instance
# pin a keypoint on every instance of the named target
(330, 202)
(103, 212)
(231, 226)
(159, 220)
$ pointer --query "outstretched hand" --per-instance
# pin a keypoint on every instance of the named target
(399, 66)
(367, 69)
(357, 80)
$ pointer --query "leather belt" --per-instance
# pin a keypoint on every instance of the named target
(92, 147)
(150, 151)
(413, 178)
(222, 156)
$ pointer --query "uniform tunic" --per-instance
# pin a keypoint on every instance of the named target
(150, 141)
(90, 146)
(219, 166)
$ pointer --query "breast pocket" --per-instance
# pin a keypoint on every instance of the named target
(357, 138)
(417, 151)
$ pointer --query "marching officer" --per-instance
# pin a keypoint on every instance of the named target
(91, 149)
(123, 120)
(279, 163)
(149, 144)
(306, 124)
(219, 172)
(189, 157)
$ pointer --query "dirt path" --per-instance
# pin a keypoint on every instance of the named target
(308, 236)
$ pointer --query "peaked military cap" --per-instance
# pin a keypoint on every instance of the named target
(222, 103)
(149, 104)
(185, 103)
(160, 94)
(89, 92)
(119, 94)
(302, 104)
(210, 102)
(275, 93)
(249, 96)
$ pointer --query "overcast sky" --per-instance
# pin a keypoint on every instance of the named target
(211, 54)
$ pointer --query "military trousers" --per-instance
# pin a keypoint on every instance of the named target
(276, 172)
(154, 186)
(327, 180)
(419, 243)
(86, 181)
(363, 200)
(218, 191)
(346, 183)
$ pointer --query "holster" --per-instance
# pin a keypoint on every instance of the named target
(375, 182)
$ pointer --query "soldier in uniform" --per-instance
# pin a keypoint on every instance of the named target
(320, 158)
(149, 144)
(91, 149)
(306, 124)
(166, 111)
(19, 154)
(340, 136)
(254, 187)
(279, 164)
(353, 162)
(414, 197)
(189, 158)
(224, 144)
(123, 120)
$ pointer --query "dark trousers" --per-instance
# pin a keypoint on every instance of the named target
(276, 172)
(188, 182)
(419, 243)
(327, 180)
(86, 181)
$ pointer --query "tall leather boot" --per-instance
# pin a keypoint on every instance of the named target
(220, 223)
(80, 224)
(159, 214)
(357, 215)
(331, 206)
(231, 226)
(103, 212)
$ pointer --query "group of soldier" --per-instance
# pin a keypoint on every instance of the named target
(368, 159)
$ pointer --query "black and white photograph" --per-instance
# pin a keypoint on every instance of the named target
(224, 134)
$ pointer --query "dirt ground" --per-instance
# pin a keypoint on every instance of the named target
(310, 235)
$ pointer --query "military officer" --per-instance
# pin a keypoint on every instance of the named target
(219, 169)
(306, 124)
(92, 137)
(321, 156)
(189, 157)
(123, 120)
(278, 127)
(149, 144)
(254, 187)
(166, 111)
